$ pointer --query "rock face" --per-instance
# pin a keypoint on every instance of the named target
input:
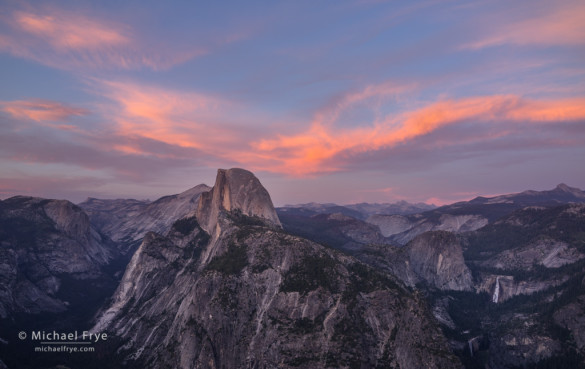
(235, 190)
(44, 242)
(127, 221)
(230, 289)
(433, 258)
(572, 317)
(390, 224)
(437, 258)
(545, 252)
(401, 229)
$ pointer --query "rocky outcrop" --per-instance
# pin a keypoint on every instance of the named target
(235, 190)
(545, 252)
(263, 299)
(391, 224)
(508, 286)
(44, 242)
(401, 229)
(437, 258)
(572, 317)
(520, 344)
(361, 233)
(433, 258)
(127, 221)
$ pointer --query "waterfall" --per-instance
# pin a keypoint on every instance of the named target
(470, 342)
(496, 295)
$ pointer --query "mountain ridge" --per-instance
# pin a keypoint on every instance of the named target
(246, 294)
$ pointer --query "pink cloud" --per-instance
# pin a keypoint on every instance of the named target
(153, 122)
(322, 148)
(219, 128)
(68, 31)
(66, 39)
(562, 25)
(42, 111)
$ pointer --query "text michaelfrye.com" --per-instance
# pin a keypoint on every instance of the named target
(66, 342)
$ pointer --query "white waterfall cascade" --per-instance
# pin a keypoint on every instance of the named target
(496, 295)
(470, 343)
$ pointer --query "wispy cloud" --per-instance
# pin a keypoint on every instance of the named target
(66, 39)
(561, 25)
(41, 110)
(181, 118)
(323, 149)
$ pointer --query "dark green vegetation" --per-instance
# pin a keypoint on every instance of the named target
(523, 227)
(242, 220)
(231, 262)
(317, 228)
(365, 279)
(310, 273)
(186, 225)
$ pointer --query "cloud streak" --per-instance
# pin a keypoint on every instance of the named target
(562, 25)
(180, 118)
(66, 39)
(40, 110)
(181, 127)
(323, 149)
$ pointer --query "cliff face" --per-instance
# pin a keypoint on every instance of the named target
(235, 190)
(44, 242)
(230, 289)
(127, 221)
(437, 258)
(432, 258)
(401, 229)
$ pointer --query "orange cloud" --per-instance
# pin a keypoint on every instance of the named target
(185, 119)
(564, 25)
(223, 131)
(41, 110)
(65, 39)
(312, 151)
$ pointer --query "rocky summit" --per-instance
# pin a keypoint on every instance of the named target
(238, 191)
(229, 288)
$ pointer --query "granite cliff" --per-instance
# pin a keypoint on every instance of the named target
(127, 221)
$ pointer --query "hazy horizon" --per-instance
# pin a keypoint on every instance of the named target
(278, 203)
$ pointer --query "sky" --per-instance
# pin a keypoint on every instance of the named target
(326, 101)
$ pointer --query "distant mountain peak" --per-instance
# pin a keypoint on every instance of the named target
(564, 188)
(235, 189)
